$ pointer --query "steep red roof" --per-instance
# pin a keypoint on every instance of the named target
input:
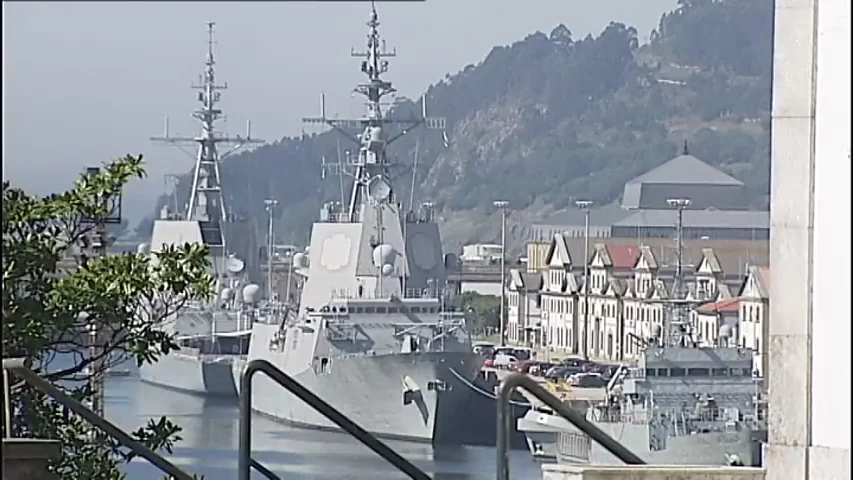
(729, 305)
(623, 256)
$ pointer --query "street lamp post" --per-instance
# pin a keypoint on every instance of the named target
(270, 204)
(680, 204)
(585, 205)
(503, 206)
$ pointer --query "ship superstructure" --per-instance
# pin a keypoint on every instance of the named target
(371, 335)
(210, 335)
(676, 405)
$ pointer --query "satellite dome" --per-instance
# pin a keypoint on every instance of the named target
(143, 248)
(234, 265)
(226, 294)
(725, 331)
(384, 254)
(299, 260)
(656, 331)
(251, 292)
(387, 269)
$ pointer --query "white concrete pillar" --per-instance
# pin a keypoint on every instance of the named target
(810, 243)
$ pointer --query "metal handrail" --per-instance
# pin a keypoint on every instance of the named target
(288, 383)
(17, 366)
(515, 380)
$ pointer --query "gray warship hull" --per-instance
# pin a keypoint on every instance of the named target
(204, 374)
(707, 448)
(370, 391)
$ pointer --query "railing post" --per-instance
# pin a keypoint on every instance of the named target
(515, 380)
(7, 404)
(245, 447)
(318, 404)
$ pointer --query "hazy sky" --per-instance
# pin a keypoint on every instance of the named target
(86, 82)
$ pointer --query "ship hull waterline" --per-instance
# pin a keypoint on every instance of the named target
(461, 414)
(205, 375)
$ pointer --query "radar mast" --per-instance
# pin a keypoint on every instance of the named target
(371, 168)
(207, 202)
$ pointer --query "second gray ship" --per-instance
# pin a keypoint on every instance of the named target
(213, 334)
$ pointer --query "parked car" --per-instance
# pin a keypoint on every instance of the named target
(561, 372)
(504, 361)
(588, 380)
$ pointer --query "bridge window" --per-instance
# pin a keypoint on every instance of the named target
(677, 372)
(415, 309)
(698, 372)
(393, 310)
(663, 372)
(380, 310)
(720, 372)
(369, 310)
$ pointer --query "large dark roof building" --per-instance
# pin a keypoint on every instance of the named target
(685, 176)
(718, 208)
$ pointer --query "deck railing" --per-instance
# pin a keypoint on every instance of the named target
(17, 366)
(246, 462)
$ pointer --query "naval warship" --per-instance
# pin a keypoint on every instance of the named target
(370, 334)
(678, 405)
(212, 334)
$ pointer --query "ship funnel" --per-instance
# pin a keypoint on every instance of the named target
(251, 293)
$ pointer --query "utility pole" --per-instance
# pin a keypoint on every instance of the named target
(680, 204)
(503, 205)
(270, 204)
(585, 205)
(111, 214)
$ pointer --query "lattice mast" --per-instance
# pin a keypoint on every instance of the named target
(371, 161)
(207, 201)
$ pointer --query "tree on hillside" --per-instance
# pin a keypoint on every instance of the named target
(47, 312)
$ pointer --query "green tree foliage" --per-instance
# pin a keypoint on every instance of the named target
(481, 311)
(48, 309)
(552, 118)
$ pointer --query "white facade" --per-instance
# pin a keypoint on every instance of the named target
(809, 336)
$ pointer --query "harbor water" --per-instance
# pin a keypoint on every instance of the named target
(210, 431)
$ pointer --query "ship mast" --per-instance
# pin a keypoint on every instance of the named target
(207, 202)
(371, 163)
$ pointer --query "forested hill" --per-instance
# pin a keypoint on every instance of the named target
(552, 118)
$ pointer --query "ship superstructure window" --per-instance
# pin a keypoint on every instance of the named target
(415, 309)
(677, 372)
(380, 310)
(698, 372)
(720, 372)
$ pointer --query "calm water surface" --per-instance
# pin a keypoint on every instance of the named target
(209, 444)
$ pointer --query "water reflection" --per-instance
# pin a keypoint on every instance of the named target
(210, 438)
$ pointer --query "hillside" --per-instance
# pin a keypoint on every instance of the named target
(552, 118)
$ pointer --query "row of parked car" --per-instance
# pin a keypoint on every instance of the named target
(574, 371)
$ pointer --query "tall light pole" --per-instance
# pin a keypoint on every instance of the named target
(679, 204)
(585, 205)
(270, 204)
(503, 205)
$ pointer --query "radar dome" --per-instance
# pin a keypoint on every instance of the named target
(299, 260)
(251, 293)
(226, 294)
(387, 269)
(725, 331)
(384, 254)
(143, 248)
(234, 265)
(656, 331)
